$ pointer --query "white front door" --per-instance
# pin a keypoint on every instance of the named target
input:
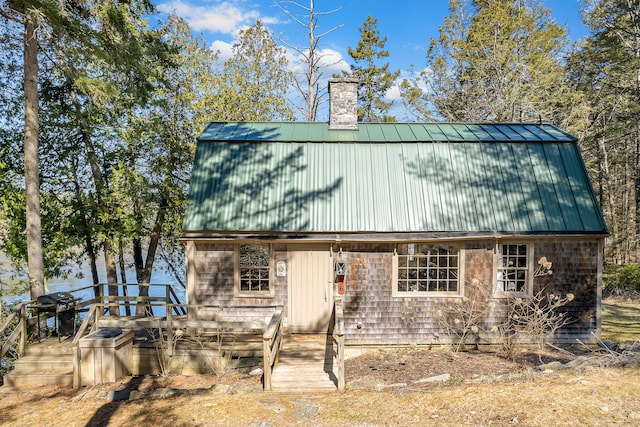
(310, 280)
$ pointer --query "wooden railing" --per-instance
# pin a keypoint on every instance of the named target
(17, 324)
(272, 342)
(97, 315)
(19, 333)
(91, 319)
(338, 335)
(126, 301)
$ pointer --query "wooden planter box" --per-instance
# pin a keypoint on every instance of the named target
(104, 360)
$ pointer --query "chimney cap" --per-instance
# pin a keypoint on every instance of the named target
(353, 80)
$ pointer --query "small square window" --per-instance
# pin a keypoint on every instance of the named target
(253, 269)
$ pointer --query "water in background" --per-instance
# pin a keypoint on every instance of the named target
(81, 277)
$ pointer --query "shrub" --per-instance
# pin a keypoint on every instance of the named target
(535, 318)
(462, 319)
(629, 277)
(621, 280)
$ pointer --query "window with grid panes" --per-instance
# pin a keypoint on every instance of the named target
(428, 268)
(254, 268)
(513, 268)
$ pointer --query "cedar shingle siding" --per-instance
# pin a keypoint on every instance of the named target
(374, 316)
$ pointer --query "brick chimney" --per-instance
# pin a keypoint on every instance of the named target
(343, 103)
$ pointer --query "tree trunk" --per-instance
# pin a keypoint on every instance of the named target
(88, 241)
(610, 204)
(98, 179)
(144, 274)
(112, 276)
(94, 266)
(31, 174)
(123, 277)
(636, 195)
(92, 259)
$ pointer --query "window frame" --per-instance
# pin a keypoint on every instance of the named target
(529, 270)
(237, 291)
(396, 293)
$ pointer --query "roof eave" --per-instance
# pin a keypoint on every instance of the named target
(381, 237)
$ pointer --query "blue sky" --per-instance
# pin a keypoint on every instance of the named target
(407, 24)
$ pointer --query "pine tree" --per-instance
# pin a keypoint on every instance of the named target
(606, 69)
(494, 60)
(256, 79)
(375, 80)
(115, 49)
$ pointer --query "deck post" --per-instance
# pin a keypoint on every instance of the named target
(339, 333)
(341, 380)
(272, 342)
(77, 374)
(169, 308)
(22, 344)
(267, 365)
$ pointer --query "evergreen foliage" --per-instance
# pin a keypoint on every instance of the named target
(605, 68)
(375, 80)
(494, 60)
(256, 79)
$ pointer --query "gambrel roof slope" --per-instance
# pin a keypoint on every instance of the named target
(390, 178)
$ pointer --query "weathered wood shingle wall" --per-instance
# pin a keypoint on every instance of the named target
(214, 285)
(374, 316)
(575, 271)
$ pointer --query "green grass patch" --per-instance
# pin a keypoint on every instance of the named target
(620, 320)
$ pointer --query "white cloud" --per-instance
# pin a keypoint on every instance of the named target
(393, 94)
(223, 49)
(330, 62)
(220, 17)
(415, 46)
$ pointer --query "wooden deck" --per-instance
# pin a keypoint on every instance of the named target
(173, 344)
(307, 363)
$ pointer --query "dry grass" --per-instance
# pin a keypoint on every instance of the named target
(598, 397)
(620, 320)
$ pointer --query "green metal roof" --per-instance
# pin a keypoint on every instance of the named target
(303, 177)
(382, 132)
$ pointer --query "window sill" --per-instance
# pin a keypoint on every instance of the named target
(506, 294)
(253, 295)
(426, 295)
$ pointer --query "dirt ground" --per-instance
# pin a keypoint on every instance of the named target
(384, 387)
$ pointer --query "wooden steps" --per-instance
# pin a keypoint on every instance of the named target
(45, 363)
(306, 364)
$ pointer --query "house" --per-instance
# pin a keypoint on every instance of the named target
(398, 220)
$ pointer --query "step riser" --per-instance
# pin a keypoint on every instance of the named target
(49, 351)
(22, 381)
(30, 367)
(46, 363)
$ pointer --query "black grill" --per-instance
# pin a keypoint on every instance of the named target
(62, 299)
(63, 304)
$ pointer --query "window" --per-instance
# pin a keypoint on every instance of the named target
(514, 268)
(253, 270)
(426, 269)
